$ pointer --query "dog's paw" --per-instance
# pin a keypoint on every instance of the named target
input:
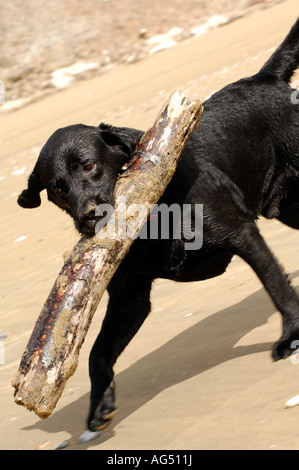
(286, 346)
(105, 410)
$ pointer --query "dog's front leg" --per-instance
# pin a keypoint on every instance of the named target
(250, 245)
(128, 307)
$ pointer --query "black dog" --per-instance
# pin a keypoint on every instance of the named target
(242, 161)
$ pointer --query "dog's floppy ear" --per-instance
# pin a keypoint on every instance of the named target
(30, 197)
(123, 137)
(112, 137)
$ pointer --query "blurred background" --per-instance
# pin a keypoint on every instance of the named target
(38, 38)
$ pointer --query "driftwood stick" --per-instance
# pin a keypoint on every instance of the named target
(52, 353)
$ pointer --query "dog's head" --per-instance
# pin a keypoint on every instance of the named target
(79, 166)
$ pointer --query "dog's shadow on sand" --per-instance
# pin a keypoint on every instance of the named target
(203, 346)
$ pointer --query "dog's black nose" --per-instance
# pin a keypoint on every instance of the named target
(86, 221)
(90, 214)
(87, 214)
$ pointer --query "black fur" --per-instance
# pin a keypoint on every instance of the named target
(242, 161)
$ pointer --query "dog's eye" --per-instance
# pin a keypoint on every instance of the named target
(88, 167)
(57, 190)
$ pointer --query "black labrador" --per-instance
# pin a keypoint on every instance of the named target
(241, 162)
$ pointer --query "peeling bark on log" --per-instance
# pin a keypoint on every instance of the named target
(52, 353)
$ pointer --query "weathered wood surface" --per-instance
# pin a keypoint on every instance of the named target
(52, 353)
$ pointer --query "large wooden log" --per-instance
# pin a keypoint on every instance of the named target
(52, 353)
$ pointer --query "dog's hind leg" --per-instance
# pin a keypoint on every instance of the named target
(250, 245)
(128, 307)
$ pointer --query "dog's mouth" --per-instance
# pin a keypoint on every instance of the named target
(88, 226)
(94, 217)
(91, 224)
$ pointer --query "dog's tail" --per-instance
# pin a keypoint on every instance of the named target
(285, 60)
